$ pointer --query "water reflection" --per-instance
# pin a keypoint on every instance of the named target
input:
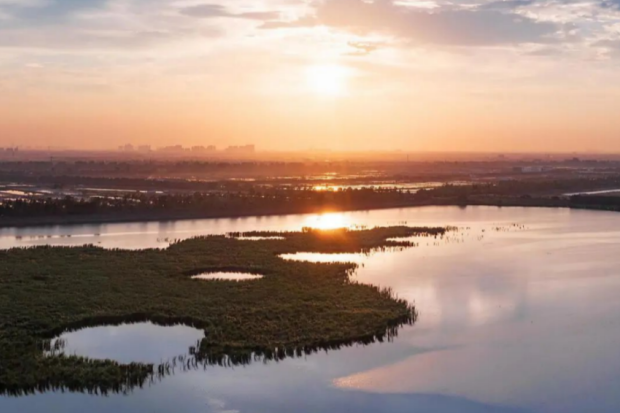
(526, 320)
(227, 276)
(327, 221)
(326, 258)
(259, 238)
(123, 357)
(127, 343)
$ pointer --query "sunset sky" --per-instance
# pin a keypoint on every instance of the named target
(422, 75)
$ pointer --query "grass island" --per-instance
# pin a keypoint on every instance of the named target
(295, 308)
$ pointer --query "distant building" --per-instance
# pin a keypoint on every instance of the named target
(246, 149)
(126, 148)
(10, 151)
(202, 149)
(144, 148)
(172, 149)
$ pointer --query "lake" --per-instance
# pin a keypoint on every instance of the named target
(519, 311)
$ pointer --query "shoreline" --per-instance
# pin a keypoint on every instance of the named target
(184, 216)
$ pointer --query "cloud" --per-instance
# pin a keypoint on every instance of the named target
(305, 21)
(506, 5)
(216, 10)
(362, 48)
(611, 47)
(86, 25)
(611, 4)
(544, 51)
(39, 11)
(68, 39)
(455, 27)
(22, 3)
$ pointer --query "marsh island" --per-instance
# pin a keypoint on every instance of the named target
(295, 308)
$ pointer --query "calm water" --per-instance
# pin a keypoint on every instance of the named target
(512, 319)
(227, 276)
(126, 343)
(316, 257)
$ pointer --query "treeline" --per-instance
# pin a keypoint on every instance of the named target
(611, 203)
(531, 187)
(169, 169)
(254, 201)
(262, 200)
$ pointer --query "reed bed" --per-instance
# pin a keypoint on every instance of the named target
(297, 308)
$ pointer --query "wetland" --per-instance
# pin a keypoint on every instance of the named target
(516, 311)
(295, 308)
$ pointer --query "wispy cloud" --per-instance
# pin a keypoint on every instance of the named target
(611, 3)
(462, 27)
(362, 48)
(88, 25)
(217, 10)
(506, 5)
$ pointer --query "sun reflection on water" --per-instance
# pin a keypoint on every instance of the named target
(331, 220)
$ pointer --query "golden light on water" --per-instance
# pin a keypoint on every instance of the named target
(327, 80)
(330, 220)
(321, 257)
(327, 187)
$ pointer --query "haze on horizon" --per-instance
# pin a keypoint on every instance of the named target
(424, 75)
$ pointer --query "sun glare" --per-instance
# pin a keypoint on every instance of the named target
(328, 221)
(327, 80)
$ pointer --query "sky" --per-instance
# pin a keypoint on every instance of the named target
(346, 75)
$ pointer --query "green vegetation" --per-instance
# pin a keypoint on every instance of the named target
(297, 308)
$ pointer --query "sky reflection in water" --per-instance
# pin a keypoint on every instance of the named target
(126, 343)
(523, 320)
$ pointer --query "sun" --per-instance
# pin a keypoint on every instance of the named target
(327, 80)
